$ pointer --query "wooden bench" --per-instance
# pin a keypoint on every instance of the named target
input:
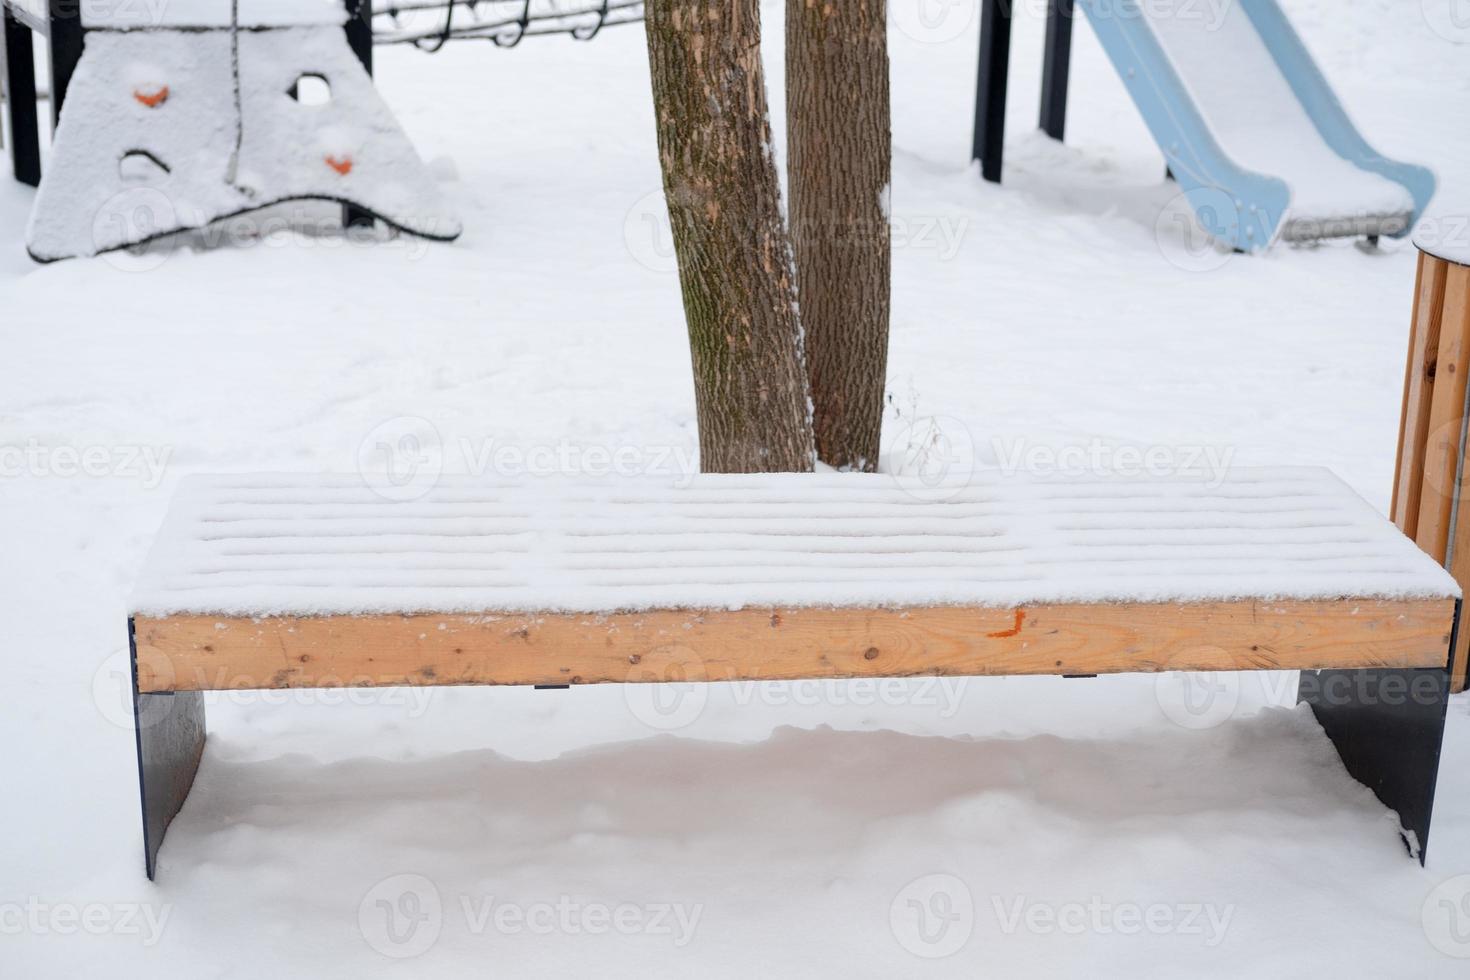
(298, 582)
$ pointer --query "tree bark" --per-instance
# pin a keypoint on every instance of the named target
(735, 264)
(839, 170)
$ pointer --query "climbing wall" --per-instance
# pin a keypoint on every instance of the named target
(170, 128)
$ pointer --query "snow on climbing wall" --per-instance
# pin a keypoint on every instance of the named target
(148, 142)
(141, 14)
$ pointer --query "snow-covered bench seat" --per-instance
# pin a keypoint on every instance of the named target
(319, 581)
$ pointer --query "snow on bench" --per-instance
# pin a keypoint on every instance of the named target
(584, 576)
(295, 581)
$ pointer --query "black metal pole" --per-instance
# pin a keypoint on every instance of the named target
(65, 40)
(360, 39)
(990, 88)
(1055, 67)
(20, 87)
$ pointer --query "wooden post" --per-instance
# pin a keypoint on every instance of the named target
(1432, 455)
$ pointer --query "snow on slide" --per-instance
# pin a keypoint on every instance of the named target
(1250, 127)
(1258, 119)
(331, 545)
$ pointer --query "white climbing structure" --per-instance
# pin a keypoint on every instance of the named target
(192, 117)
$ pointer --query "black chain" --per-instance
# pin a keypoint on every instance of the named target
(504, 22)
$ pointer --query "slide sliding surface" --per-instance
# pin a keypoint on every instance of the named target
(1250, 127)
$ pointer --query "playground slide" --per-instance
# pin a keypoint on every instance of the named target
(1250, 127)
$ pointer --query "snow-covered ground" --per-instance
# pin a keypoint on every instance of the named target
(1117, 826)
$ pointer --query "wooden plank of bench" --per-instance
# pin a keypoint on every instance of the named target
(186, 653)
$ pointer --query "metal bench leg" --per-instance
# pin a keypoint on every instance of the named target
(170, 738)
(20, 89)
(1387, 725)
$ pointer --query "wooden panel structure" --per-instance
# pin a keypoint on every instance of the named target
(1431, 467)
(191, 652)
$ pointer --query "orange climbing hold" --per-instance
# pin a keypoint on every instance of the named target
(342, 165)
(152, 99)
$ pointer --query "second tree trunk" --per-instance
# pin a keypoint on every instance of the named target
(839, 169)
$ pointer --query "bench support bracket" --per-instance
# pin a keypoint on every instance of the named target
(1387, 725)
(169, 729)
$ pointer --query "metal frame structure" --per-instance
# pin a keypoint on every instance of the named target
(992, 78)
(66, 37)
(62, 28)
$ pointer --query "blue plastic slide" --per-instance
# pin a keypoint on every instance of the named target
(1249, 125)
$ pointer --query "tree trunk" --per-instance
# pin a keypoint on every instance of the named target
(735, 268)
(839, 170)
